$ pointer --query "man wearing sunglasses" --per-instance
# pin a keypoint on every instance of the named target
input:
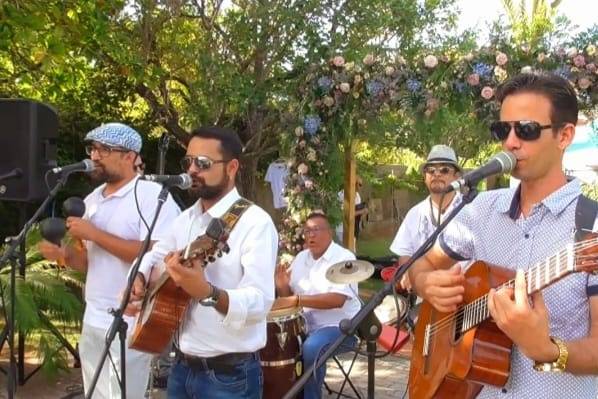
(113, 232)
(556, 332)
(440, 169)
(225, 325)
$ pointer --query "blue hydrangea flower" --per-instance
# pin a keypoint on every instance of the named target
(413, 85)
(460, 86)
(484, 70)
(312, 124)
(374, 87)
(325, 83)
(563, 71)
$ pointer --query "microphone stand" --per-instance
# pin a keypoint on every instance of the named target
(119, 325)
(349, 326)
(10, 255)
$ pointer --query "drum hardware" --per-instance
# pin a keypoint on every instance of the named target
(348, 272)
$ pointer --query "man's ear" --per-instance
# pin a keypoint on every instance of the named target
(566, 136)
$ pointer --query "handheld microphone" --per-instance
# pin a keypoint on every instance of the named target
(86, 165)
(503, 162)
(53, 229)
(182, 181)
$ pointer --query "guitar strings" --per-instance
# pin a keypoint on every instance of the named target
(479, 305)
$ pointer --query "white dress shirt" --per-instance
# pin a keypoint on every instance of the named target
(117, 215)
(308, 277)
(246, 273)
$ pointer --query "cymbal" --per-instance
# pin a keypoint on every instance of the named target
(350, 271)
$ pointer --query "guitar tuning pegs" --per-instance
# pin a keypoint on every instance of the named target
(225, 248)
(211, 258)
(219, 253)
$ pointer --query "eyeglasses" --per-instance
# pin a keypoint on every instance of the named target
(312, 231)
(444, 170)
(103, 150)
(525, 130)
(200, 162)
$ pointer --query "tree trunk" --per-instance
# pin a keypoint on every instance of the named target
(246, 181)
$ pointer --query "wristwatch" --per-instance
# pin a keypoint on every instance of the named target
(212, 299)
(560, 363)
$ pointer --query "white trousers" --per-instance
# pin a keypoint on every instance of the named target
(91, 345)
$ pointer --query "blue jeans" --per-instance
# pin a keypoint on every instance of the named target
(315, 345)
(245, 382)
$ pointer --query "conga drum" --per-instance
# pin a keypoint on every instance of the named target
(281, 357)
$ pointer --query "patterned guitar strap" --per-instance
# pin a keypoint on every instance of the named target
(234, 213)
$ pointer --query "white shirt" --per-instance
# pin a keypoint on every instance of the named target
(276, 175)
(246, 273)
(117, 215)
(308, 277)
(418, 225)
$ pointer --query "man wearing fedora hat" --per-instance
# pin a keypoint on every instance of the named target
(440, 169)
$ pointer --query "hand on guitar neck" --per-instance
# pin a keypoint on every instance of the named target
(516, 316)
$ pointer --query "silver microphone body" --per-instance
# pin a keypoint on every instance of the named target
(182, 181)
(86, 165)
(503, 162)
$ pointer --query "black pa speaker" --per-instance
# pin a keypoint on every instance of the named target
(28, 134)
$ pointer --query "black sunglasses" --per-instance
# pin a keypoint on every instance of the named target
(444, 170)
(200, 162)
(525, 130)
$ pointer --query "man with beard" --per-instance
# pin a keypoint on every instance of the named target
(225, 325)
(325, 304)
(112, 232)
(440, 169)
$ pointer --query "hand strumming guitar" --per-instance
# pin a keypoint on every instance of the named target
(442, 288)
(136, 297)
(189, 275)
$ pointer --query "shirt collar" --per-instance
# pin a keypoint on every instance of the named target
(121, 192)
(328, 254)
(219, 208)
(556, 202)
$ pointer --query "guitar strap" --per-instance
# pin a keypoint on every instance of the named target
(234, 213)
(585, 216)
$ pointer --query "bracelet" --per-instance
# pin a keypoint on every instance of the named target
(298, 301)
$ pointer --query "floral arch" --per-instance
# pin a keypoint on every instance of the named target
(339, 100)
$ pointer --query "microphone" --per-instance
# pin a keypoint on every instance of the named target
(182, 181)
(86, 165)
(53, 229)
(503, 162)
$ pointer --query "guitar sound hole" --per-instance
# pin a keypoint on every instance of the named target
(458, 326)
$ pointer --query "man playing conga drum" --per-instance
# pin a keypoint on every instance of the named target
(325, 304)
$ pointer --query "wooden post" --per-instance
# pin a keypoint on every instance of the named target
(349, 201)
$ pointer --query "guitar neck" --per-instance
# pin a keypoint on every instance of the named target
(538, 277)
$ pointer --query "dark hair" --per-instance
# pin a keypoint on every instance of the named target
(317, 214)
(230, 144)
(560, 93)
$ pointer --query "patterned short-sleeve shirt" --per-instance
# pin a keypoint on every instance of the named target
(491, 229)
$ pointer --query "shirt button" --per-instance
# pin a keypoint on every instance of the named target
(504, 390)
(526, 235)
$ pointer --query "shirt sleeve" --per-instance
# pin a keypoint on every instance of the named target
(168, 214)
(457, 239)
(252, 299)
(269, 175)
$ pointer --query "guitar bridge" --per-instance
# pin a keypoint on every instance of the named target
(426, 346)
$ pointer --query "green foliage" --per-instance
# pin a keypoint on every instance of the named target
(45, 293)
(590, 190)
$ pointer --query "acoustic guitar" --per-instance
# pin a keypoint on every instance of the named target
(165, 303)
(455, 354)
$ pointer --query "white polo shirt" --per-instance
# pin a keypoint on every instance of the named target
(418, 225)
(117, 215)
(246, 273)
(308, 277)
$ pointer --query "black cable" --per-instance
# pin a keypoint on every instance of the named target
(137, 205)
